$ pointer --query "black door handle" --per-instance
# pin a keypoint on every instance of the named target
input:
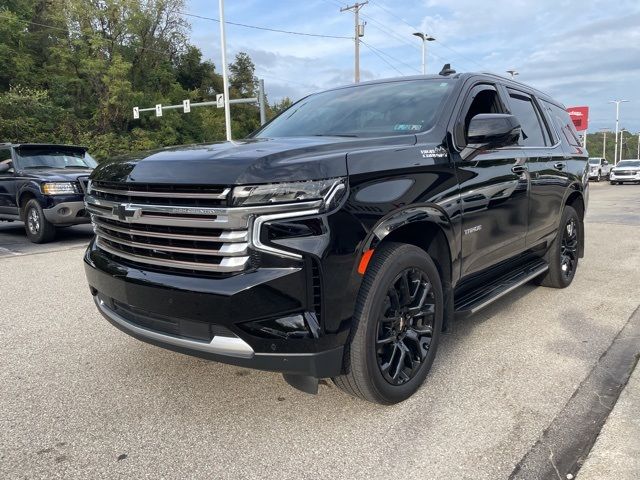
(518, 169)
(559, 165)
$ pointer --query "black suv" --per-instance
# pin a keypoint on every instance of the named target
(342, 238)
(43, 185)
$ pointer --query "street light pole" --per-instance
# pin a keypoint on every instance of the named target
(425, 38)
(617, 102)
(225, 74)
(356, 10)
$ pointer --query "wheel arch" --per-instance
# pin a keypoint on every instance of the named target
(23, 197)
(429, 229)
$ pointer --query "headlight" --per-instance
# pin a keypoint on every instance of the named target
(60, 188)
(329, 192)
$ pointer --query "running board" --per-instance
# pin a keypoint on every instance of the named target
(479, 298)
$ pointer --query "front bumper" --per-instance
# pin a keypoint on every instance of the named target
(595, 174)
(197, 304)
(624, 178)
(67, 213)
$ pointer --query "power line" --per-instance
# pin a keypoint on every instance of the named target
(376, 4)
(381, 57)
(255, 27)
(392, 57)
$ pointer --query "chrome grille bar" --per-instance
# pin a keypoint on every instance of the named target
(168, 194)
(227, 264)
(227, 236)
(231, 249)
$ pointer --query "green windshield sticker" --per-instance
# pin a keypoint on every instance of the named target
(403, 127)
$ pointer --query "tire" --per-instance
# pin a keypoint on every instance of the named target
(612, 182)
(408, 341)
(599, 177)
(563, 252)
(38, 228)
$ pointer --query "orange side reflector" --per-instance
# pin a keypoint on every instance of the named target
(364, 261)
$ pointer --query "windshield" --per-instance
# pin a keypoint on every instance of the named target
(594, 161)
(381, 109)
(628, 163)
(41, 157)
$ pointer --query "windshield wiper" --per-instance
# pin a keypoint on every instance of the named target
(77, 166)
(40, 166)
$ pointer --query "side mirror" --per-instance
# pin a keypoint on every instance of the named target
(493, 130)
(5, 167)
(605, 163)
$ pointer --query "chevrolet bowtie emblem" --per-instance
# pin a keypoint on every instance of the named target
(123, 212)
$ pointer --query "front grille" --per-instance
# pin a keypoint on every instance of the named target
(625, 172)
(184, 228)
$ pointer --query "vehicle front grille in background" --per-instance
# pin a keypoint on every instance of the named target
(83, 183)
(183, 228)
(624, 172)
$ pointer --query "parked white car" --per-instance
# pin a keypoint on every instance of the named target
(625, 171)
(599, 168)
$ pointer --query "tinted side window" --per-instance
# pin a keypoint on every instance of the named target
(525, 111)
(5, 154)
(564, 124)
(5, 157)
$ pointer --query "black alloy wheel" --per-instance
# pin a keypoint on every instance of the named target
(564, 252)
(405, 327)
(396, 326)
(569, 249)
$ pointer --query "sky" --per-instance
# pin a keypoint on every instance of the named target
(582, 52)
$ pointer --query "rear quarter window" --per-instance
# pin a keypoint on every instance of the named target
(562, 121)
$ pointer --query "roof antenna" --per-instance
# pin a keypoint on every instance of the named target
(447, 70)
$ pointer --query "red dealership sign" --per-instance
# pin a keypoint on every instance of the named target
(580, 117)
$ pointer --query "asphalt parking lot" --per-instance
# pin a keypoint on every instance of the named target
(80, 399)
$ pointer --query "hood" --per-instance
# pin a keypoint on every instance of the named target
(249, 161)
(56, 174)
(632, 168)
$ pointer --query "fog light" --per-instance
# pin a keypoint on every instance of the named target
(64, 211)
(293, 326)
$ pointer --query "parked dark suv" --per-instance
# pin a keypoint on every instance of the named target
(43, 185)
(342, 238)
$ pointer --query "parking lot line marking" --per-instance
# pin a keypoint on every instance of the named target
(6, 251)
(566, 442)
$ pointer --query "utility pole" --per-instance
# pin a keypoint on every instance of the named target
(359, 32)
(225, 74)
(638, 145)
(263, 112)
(604, 142)
(425, 38)
(617, 102)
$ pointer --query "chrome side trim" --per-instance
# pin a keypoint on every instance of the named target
(227, 264)
(257, 227)
(233, 347)
(168, 194)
